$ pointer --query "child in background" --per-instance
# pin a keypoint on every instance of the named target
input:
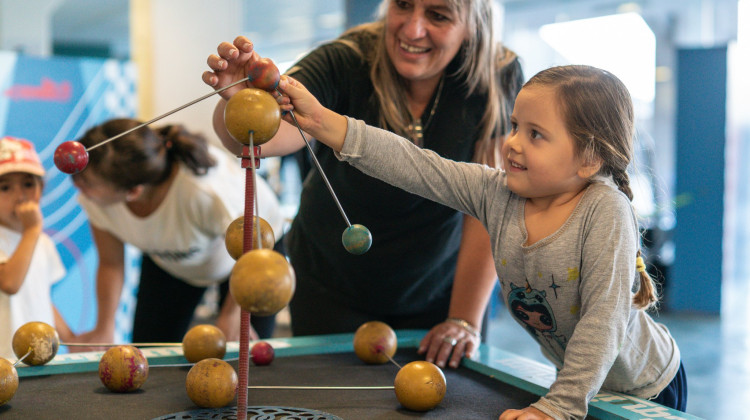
(29, 262)
(564, 233)
(170, 194)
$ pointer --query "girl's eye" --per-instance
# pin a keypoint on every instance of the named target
(513, 127)
(536, 135)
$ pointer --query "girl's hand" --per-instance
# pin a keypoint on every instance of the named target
(528, 413)
(29, 215)
(312, 117)
(438, 346)
(230, 65)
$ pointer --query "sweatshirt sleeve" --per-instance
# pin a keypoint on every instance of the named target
(384, 155)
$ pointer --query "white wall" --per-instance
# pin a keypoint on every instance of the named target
(182, 35)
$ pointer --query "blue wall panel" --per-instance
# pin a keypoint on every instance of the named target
(695, 279)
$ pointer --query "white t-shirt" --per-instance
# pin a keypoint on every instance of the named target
(185, 235)
(33, 301)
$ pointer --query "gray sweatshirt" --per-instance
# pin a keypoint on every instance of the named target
(572, 291)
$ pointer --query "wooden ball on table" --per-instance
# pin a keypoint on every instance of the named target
(211, 383)
(38, 337)
(8, 381)
(235, 236)
(252, 110)
(375, 342)
(123, 368)
(420, 385)
(204, 341)
(262, 282)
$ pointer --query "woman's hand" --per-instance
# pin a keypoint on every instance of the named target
(440, 348)
(230, 65)
(528, 413)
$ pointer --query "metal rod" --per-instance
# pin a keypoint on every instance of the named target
(320, 169)
(193, 102)
(123, 344)
(21, 359)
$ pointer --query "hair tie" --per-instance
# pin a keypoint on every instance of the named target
(168, 144)
(640, 266)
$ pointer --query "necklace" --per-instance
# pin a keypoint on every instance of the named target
(416, 128)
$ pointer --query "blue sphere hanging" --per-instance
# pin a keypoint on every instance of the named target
(356, 239)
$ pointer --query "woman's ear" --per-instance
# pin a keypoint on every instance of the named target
(134, 193)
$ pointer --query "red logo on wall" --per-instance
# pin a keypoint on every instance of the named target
(48, 90)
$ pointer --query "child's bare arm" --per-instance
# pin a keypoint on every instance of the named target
(66, 334)
(13, 271)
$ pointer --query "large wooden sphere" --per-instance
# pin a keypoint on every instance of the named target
(252, 110)
(375, 342)
(235, 237)
(204, 341)
(211, 383)
(39, 337)
(262, 282)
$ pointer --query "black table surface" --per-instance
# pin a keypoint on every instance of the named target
(469, 394)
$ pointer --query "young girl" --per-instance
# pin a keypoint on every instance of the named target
(171, 195)
(563, 230)
(29, 262)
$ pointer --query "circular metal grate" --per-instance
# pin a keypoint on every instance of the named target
(253, 413)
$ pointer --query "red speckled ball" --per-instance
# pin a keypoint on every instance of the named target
(264, 74)
(71, 157)
(123, 369)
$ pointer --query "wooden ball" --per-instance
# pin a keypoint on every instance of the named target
(39, 337)
(235, 237)
(419, 385)
(211, 383)
(375, 342)
(262, 282)
(252, 110)
(204, 341)
(356, 239)
(8, 381)
(123, 369)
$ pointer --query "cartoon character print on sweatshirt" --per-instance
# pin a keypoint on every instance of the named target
(531, 308)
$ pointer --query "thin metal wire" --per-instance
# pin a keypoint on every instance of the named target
(193, 102)
(21, 359)
(320, 169)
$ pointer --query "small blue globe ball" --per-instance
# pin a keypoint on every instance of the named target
(356, 239)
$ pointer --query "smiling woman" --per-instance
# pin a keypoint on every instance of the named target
(432, 71)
